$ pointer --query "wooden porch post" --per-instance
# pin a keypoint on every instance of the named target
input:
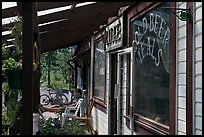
(26, 116)
(36, 86)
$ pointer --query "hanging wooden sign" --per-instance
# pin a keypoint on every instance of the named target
(114, 34)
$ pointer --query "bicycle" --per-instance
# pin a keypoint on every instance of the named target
(54, 96)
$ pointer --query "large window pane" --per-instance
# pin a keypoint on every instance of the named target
(99, 73)
(151, 40)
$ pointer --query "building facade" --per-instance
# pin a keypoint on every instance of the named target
(146, 71)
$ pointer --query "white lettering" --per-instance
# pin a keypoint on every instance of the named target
(144, 25)
(166, 37)
(145, 44)
(142, 49)
(137, 38)
(114, 34)
(149, 47)
(151, 22)
(140, 58)
(118, 32)
(159, 53)
(161, 28)
(156, 22)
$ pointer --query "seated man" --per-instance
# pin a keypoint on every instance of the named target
(77, 96)
(53, 109)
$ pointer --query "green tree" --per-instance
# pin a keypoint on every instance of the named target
(56, 62)
(48, 62)
(64, 56)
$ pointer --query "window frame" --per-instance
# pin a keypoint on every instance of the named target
(140, 123)
(99, 103)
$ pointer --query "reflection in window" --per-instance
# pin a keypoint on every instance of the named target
(151, 39)
(99, 73)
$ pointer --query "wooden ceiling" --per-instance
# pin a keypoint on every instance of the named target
(73, 25)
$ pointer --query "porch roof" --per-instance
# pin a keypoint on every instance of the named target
(70, 26)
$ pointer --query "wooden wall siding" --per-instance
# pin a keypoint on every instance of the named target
(127, 131)
(198, 69)
(100, 121)
(107, 78)
(181, 73)
(108, 89)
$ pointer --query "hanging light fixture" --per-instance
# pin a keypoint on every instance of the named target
(182, 14)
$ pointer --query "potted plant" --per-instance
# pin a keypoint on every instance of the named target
(13, 70)
(11, 55)
(12, 58)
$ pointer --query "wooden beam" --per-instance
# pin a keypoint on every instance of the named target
(84, 10)
(61, 32)
(57, 46)
(50, 5)
(27, 58)
(53, 26)
(73, 6)
(67, 37)
(97, 17)
(19, 8)
(8, 42)
(5, 37)
(65, 41)
(9, 12)
(7, 27)
(80, 27)
(73, 28)
(56, 16)
(13, 11)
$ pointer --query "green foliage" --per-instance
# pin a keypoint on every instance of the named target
(5, 120)
(54, 68)
(51, 127)
(12, 58)
(17, 34)
(9, 115)
(5, 87)
(74, 128)
(59, 84)
(12, 106)
(5, 52)
(65, 55)
(11, 111)
(11, 64)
